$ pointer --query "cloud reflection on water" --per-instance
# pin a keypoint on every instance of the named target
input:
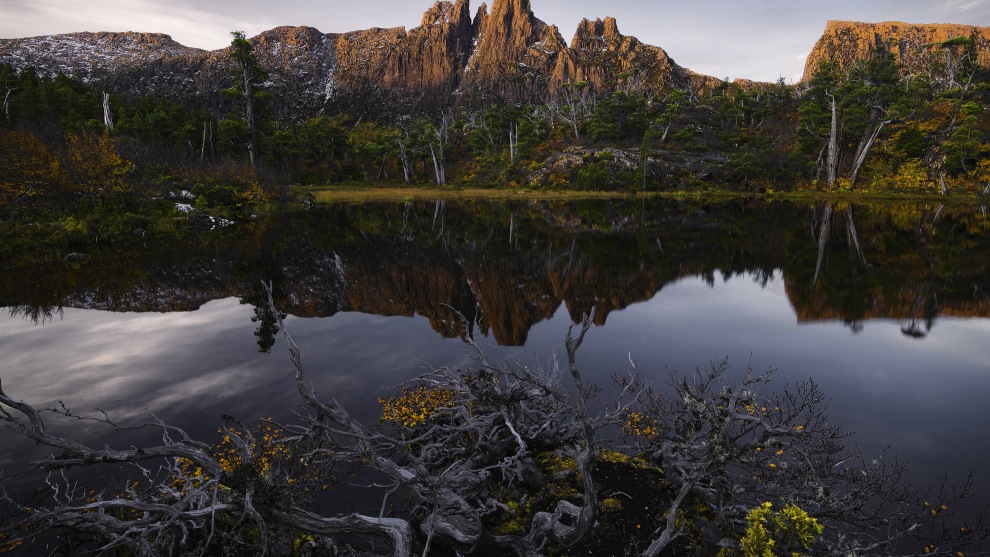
(924, 397)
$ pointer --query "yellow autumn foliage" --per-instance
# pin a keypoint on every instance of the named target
(8, 546)
(416, 406)
(95, 166)
(641, 425)
(268, 449)
(28, 167)
(786, 532)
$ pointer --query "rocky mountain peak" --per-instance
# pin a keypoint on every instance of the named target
(511, 26)
(480, 17)
(447, 13)
(514, 51)
(597, 34)
(429, 59)
(504, 49)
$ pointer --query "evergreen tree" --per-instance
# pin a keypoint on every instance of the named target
(248, 77)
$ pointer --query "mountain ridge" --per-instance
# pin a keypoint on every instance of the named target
(502, 50)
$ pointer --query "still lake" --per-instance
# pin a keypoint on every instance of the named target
(887, 307)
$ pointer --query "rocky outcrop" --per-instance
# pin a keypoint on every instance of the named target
(606, 59)
(515, 52)
(672, 167)
(432, 55)
(920, 48)
(302, 64)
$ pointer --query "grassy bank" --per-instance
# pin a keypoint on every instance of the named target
(356, 193)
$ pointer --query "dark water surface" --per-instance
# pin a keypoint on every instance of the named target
(886, 307)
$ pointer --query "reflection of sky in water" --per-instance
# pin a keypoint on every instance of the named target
(923, 397)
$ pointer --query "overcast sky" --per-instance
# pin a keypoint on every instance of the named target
(763, 39)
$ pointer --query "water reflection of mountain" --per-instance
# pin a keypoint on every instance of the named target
(509, 266)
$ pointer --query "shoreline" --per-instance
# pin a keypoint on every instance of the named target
(363, 193)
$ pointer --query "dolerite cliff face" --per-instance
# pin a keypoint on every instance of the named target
(605, 58)
(424, 61)
(515, 52)
(914, 46)
(504, 51)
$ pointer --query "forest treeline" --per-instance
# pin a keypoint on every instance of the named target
(67, 145)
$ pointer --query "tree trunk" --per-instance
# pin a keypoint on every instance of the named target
(670, 528)
(854, 236)
(869, 137)
(512, 229)
(823, 232)
(438, 165)
(249, 117)
(396, 529)
(404, 159)
(833, 148)
(202, 150)
(6, 102)
(513, 140)
(381, 169)
(107, 115)
(572, 104)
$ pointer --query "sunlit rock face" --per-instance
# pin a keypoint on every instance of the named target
(502, 50)
(918, 47)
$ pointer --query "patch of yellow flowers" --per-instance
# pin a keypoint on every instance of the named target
(416, 406)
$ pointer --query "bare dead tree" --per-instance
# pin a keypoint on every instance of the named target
(465, 461)
(6, 101)
(513, 142)
(404, 140)
(456, 469)
(731, 446)
(574, 96)
(823, 235)
(107, 113)
(866, 143)
(832, 164)
(477, 453)
(187, 495)
(439, 139)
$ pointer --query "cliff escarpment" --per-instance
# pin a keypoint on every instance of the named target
(503, 49)
(920, 48)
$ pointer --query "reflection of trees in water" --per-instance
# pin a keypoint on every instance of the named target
(39, 314)
(493, 456)
(267, 328)
(511, 265)
(924, 312)
(908, 262)
(925, 307)
(824, 226)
